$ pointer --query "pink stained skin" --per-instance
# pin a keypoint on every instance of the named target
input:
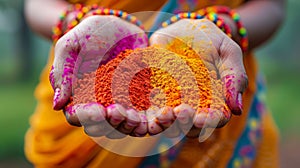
(184, 113)
(116, 114)
(93, 117)
(220, 54)
(153, 125)
(75, 55)
(132, 121)
(234, 87)
(142, 129)
(82, 50)
(165, 117)
(184, 116)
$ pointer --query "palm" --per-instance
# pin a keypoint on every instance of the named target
(219, 54)
(84, 48)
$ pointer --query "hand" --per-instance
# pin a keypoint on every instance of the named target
(220, 54)
(93, 42)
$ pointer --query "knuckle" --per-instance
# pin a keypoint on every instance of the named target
(73, 120)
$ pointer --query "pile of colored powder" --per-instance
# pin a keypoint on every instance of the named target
(153, 76)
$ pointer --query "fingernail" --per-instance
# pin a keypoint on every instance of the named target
(240, 101)
(56, 98)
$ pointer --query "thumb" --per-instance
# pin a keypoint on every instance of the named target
(233, 74)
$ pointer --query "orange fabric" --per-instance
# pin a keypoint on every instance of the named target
(52, 142)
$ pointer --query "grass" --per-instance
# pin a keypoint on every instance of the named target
(283, 100)
(17, 103)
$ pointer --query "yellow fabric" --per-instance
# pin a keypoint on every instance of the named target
(52, 142)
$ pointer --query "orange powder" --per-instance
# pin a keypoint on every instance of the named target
(153, 76)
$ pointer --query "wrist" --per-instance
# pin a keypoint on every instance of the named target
(233, 27)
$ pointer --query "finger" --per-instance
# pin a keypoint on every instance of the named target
(215, 119)
(91, 116)
(142, 129)
(116, 114)
(72, 117)
(233, 74)
(131, 122)
(153, 126)
(200, 118)
(165, 117)
(90, 113)
(61, 75)
(183, 113)
(205, 123)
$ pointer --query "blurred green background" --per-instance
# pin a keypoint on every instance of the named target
(23, 55)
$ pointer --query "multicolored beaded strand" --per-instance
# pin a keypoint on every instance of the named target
(186, 15)
(120, 14)
(57, 30)
(85, 11)
(211, 16)
(236, 18)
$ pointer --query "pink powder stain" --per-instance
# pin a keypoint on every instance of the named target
(87, 37)
(56, 96)
(51, 77)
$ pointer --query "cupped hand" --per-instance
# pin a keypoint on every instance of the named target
(94, 41)
(220, 54)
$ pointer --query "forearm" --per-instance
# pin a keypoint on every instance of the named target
(261, 18)
(42, 15)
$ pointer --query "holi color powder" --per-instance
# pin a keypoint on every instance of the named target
(153, 76)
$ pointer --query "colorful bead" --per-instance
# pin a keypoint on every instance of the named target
(242, 31)
(210, 16)
(82, 12)
(106, 11)
(179, 16)
(57, 29)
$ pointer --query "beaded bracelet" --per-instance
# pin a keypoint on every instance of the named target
(80, 15)
(95, 10)
(120, 14)
(236, 18)
(57, 30)
(210, 16)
